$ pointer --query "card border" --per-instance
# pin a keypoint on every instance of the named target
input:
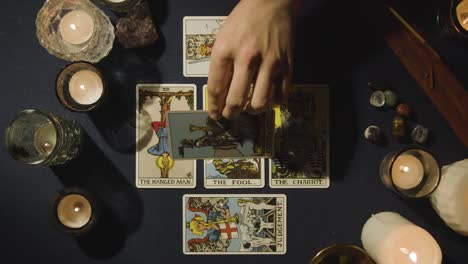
(195, 105)
(270, 176)
(285, 233)
(184, 38)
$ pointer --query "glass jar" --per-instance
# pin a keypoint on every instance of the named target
(40, 138)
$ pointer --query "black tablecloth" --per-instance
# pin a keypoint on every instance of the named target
(147, 226)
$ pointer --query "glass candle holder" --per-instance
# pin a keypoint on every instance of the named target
(342, 254)
(80, 87)
(74, 30)
(120, 5)
(390, 238)
(412, 173)
(452, 18)
(74, 211)
(36, 137)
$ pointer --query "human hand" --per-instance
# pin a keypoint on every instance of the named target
(254, 45)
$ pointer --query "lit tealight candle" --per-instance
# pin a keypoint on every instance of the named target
(45, 139)
(389, 238)
(462, 14)
(76, 27)
(86, 87)
(407, 172)
(74, 211)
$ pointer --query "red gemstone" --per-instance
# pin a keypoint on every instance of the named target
(403, 110)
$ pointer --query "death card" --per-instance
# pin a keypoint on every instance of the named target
(155, 168)
(199, 35)
(236, 224)
(302, 140)
(232, 173)
(193, 135)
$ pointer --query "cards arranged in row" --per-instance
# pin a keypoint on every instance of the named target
(171, 135)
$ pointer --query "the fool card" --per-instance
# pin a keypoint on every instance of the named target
(193, 135)
(232, 173)
(302, 143)
(242, 224)
(199, 35)
(155, 168)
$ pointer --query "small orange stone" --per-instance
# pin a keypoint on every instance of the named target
(403, 110)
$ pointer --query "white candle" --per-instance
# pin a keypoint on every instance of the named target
(391, 239)
(76, 27)
(74, 211)
(86, 87)
(45, 139)
(407, 171)
(450, 199)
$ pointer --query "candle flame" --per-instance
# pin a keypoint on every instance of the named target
(77, 209)
(73, 26)
(404, 169)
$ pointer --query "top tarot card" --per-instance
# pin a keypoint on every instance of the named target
(193, 135)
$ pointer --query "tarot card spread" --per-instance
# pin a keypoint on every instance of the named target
(232, 173)
(193, 135)
(199, 34)
(234, 224)
(302, 140)
(155, 168)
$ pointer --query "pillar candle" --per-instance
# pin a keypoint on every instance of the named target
(86, 87)
(407, 171)
(389, 238)
(74, 211)
(76, 27)
(450, 199)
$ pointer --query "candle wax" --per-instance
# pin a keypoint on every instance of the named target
(410, 244)
(76, 27)
(86, 87)
(45, 139)
(74, 211)
(462, 14)
(116, 1)
(407, 171)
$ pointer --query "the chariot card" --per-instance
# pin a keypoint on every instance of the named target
(242, 224)
(199, 35)
(155, 168)
(193, 135)
(232, 173)
(302, 139)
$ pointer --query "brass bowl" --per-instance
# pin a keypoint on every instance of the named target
(342, 254)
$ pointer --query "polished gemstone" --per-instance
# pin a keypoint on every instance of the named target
(391, 98)
(398, 127)
(420, 134)
(403, 110)
(377, 99)
(373, 133)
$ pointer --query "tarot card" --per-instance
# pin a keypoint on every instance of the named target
(199, 34)
(155, 167)
(302, 140)
(234, 224)
(232, 173)
(193, 135)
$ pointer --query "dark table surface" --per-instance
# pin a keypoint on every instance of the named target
(146, 224)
